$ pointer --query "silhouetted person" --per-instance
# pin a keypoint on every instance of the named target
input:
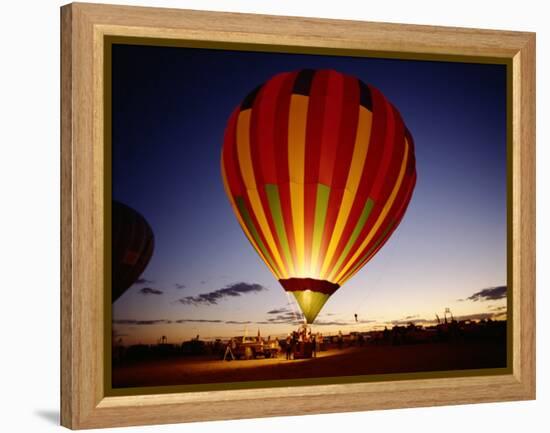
(288, 346)
(293, 344)
(386, 334)
(231, 346)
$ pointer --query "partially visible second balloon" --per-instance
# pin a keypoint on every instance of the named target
(132, 247)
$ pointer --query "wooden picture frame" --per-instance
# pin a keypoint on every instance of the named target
(84, 28)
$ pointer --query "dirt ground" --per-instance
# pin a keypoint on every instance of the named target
(345, 362)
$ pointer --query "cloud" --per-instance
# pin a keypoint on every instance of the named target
(237, 322)
(488, 294)
(286, 309)
(141, 322)
(179, 286)
(143, 281)
(279, 310)
(232, 290)
(198, 321)
(413, 318)
(498, 308)
(283, 318)
(150, 291)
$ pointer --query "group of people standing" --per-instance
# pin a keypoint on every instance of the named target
(303, 343)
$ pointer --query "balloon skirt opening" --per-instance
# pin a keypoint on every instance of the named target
(310, 294)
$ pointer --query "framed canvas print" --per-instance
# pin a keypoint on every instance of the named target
(270, 216)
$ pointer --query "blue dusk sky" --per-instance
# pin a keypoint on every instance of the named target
(170, 108)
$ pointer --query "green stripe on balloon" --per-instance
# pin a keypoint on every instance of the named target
(355, 234)
(274, 200)
(321, 206)
(250, 225)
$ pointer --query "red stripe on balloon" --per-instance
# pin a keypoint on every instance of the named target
(389, 169)
(281, 144)
(314, 136)
(344, 154)
(316, 109)
(372, 162)
(257, 150)
(268, 128)
(345, 139)
(229, 156)
(281, 131)
(310, 198)
(330, 127)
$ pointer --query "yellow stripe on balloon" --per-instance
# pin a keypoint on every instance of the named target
(362, 139)
(242, 224)
(245, 163)
(296, 165)
(381, 217)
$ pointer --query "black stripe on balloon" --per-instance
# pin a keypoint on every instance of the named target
(248, 101)
(365, 98)
(302, 84)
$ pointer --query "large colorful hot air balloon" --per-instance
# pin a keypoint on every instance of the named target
(319, 169)
(132, 247)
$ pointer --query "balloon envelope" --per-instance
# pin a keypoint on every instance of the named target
(319, 169)
(132, 247)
